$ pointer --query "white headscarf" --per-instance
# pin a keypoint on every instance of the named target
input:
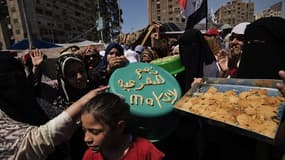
(240, 28)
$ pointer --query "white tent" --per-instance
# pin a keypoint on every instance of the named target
(80, 44)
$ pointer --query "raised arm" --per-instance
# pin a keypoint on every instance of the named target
(41, 141)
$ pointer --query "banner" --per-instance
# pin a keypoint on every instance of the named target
(194, 11)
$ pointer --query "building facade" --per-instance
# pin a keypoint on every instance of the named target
(274, 10)
(61, 21)
(165, 11)
(234, 12)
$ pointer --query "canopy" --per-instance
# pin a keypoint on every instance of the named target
(81, 44)
(36, 43)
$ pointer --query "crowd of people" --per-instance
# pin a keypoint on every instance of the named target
(255, 51)
(75, 117)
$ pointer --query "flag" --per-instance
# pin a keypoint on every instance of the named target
(194, 11)
(212, 17)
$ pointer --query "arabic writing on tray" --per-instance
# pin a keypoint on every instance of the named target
(152, 78)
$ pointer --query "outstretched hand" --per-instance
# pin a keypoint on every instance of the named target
(223, 60)
(37, 57)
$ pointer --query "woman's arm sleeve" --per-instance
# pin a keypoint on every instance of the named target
(41, 141)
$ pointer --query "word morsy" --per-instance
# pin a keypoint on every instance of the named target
(148, 81)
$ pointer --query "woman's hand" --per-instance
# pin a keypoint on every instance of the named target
(196, 80)
(75, 109)
(37, 57)
(116, 62)
(93, 93)
(281, 86)
(223, 60)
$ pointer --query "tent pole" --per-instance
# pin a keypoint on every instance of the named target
(27, 25)
(207, 16)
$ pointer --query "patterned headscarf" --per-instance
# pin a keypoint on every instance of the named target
(70, 93)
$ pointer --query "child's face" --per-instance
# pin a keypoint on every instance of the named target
(96, 135)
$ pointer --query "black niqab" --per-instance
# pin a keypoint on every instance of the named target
(264, 49)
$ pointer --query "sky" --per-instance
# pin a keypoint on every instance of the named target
(135, 11)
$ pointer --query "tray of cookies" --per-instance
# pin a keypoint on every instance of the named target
(253, 107)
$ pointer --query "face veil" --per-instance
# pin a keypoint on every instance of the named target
(263, 52)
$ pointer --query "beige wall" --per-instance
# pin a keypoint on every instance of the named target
(163, 11)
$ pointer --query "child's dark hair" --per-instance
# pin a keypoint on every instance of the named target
(108, 108)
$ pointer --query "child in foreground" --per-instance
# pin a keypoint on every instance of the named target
(105, 123)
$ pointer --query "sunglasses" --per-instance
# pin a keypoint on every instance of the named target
(238, 37)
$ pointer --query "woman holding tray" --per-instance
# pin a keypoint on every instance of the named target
(263, 58)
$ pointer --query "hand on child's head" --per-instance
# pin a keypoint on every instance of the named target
(102, 89)
(97, 91)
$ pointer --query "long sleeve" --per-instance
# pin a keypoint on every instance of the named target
(41, 141)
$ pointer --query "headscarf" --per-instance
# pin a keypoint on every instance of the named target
(139, 49)
(240, 28)
(65, 89)
(194, 53)
(99, 72)
(148, 52)
(16, 94)
(263, 53)
(110, 47)
(104, 62)
(234, 58)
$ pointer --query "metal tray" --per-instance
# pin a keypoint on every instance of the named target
(238, 85)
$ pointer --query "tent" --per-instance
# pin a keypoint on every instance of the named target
(36, 43)
(81, 44)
